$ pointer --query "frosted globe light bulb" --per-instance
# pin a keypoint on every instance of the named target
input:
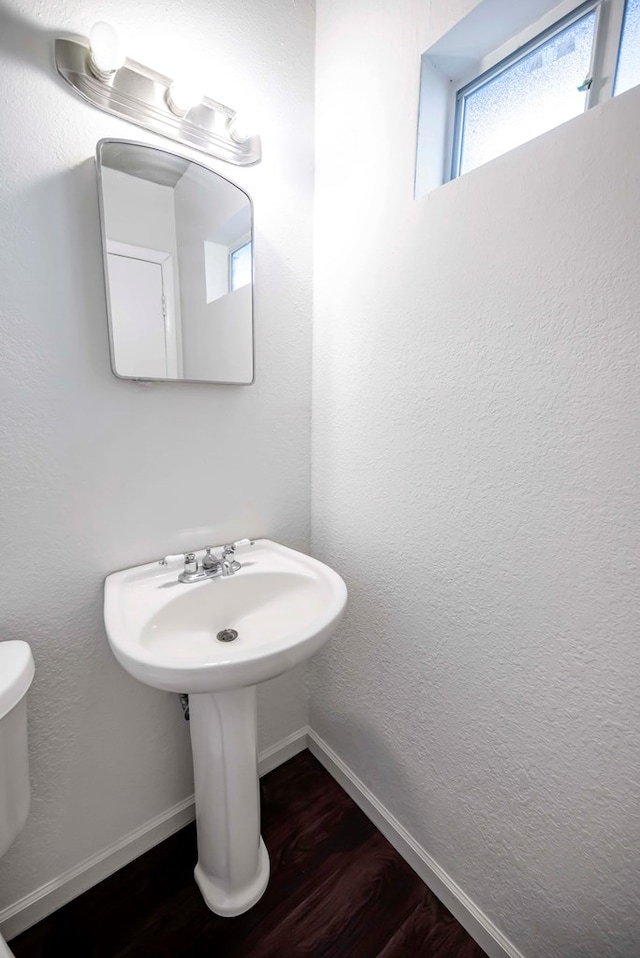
(183, 95)
(106, 53)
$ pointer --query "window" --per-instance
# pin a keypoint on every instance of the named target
(537, 89)
(240, 266)
(478, 106)
(628, 72)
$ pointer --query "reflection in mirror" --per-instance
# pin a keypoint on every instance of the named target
(178, 253)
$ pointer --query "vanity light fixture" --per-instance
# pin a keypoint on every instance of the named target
(99, 72)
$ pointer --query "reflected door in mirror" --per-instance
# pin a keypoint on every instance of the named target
(140, 288)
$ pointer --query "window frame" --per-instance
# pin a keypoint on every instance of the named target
(601, 74)
(619, 51)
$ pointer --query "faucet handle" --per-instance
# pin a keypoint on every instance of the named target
(229, 549)
(229, 564)
(166, 559)
(190, 561)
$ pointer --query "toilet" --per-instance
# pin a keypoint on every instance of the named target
(16, 673)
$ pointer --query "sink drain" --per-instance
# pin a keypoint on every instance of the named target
(227, 635)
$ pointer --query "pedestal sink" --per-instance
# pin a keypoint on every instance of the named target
(283, 605)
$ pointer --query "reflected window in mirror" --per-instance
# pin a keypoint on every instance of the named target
(240, 262)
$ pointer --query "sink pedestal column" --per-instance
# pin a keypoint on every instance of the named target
(233, 864)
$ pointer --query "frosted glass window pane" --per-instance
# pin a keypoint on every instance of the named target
(534, 94)
(241, 266)
(628, 73)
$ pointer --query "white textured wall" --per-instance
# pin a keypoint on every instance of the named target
(475, 479)
(139, 212)
(99, 474)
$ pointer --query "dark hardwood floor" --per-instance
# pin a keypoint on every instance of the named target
(337, 890)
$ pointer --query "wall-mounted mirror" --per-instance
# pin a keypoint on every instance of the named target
(178, 254)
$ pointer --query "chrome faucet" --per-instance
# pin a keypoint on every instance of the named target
(212, 566)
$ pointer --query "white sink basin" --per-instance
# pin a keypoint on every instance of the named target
(283, 604)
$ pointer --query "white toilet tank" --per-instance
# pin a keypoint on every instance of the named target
(16, 673)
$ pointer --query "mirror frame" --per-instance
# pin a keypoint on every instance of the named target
(105, 265)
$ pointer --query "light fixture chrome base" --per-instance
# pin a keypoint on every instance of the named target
(139, 94)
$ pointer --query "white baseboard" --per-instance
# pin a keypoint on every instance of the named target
(51, 896)
(442, 885)
(282, 751)
(54, 894)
